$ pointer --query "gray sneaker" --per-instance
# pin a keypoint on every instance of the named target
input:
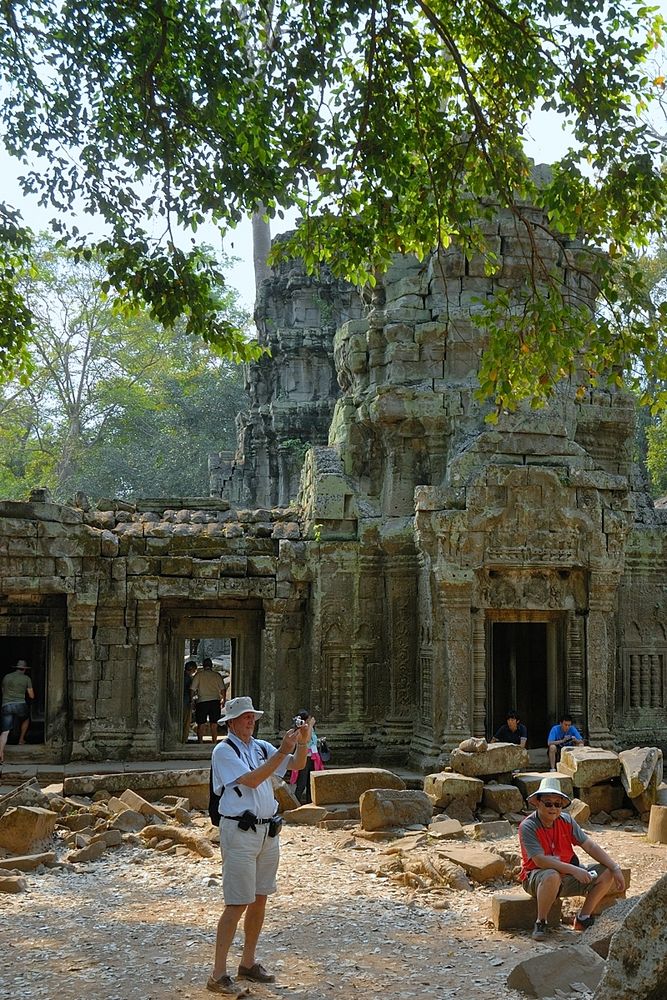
(540, 930)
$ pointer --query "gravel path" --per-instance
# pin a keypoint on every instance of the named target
(139, 925)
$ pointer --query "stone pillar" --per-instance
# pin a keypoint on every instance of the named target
(576, 658)
(601, 652)
(455, 601)
(401, 644)
(270, 669)
(479, 673)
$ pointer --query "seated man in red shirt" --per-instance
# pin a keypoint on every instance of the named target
(550, 868)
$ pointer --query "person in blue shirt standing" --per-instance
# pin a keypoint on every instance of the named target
(565, 734)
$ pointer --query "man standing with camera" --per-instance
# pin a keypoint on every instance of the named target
(242, 768)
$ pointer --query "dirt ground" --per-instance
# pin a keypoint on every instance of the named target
(139, 925)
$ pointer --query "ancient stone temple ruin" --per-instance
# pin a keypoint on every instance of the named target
(375, 550)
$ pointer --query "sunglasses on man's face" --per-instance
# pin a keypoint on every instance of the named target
(551, 805)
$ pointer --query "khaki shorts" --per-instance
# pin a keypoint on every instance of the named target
(249, 862)
(569, 884)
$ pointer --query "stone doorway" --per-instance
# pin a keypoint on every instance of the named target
(524, 672)
(34, 650)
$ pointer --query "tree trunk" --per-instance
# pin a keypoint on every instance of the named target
(261, 245)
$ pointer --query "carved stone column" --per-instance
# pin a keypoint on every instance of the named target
(455, 600)
(479, 673)
(576, 661)
(401, 644)
(601, 652)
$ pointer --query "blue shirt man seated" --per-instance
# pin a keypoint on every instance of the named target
(565, 734)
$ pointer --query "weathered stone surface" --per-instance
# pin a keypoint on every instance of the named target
(308, 815)
(589, 765)
(191, 839)
(557, 969)
(502, 798)
(80, 821)
(23, 828)
(598, 937)
(347, 784)
(141, 805)
(498, 758)
(443, 828)
(284, 795)
(444, 787)
(27, 794)
(382, 808)
(602, 798)
(516, 910)
(657, 825)
(28, 862)
(481, 865)
(128, 821)
(640, 767)
(12, 884)
(91, 852)
(491, 830)
(459, 809)
(579, 811)
(637, 961)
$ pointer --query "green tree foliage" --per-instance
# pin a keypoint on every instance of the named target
(115, 404)
(394, 125)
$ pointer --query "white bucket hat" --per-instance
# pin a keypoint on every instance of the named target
(549, 786)
(238, 706)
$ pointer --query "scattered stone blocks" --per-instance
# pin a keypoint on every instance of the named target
(602, 798)
(502, 798)
(529, 781)
(640, 767)
(557, 969)
(657, 825)
(491, 830)
(481, 865)
(26, 827)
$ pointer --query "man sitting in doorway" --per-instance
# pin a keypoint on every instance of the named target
(550, 868)
(208, 688)
(16, 687)
(565, 734)
(513, 731)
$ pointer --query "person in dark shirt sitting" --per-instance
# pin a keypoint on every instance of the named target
(512, 731)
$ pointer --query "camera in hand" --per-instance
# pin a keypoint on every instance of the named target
(298, 721)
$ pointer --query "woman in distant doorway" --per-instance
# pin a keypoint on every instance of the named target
(313, 760)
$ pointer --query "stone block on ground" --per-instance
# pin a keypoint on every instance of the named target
(28, 862)
(516, 910)
(557, 969)
(382, 808)
(661, 795)
(189, 838)
(640, 767)
(657, 825)
(348, 783)
(637, 960)
(27, 794)
(492, 830)
(308, 815)
(602, 798)
(142, 805)
(460, 810)
(128, 821)
(502, 798)
(589, 765)
(498, 758)
(443, 828)
(22, 828)
(12, 884)
(529, 781)
(579, 811)
(481, 865)
(90, 853)
(445, 787)
(343, 810)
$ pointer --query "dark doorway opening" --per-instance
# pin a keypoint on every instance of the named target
(523, 676)
(33, 649)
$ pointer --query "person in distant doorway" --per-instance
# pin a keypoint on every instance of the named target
(565, 734)
(16, 689)
(301, 779)
(513, 731)
(208, 688)
(550, 867)
(189, 670)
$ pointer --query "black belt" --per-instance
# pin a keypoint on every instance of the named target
(255, 820)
